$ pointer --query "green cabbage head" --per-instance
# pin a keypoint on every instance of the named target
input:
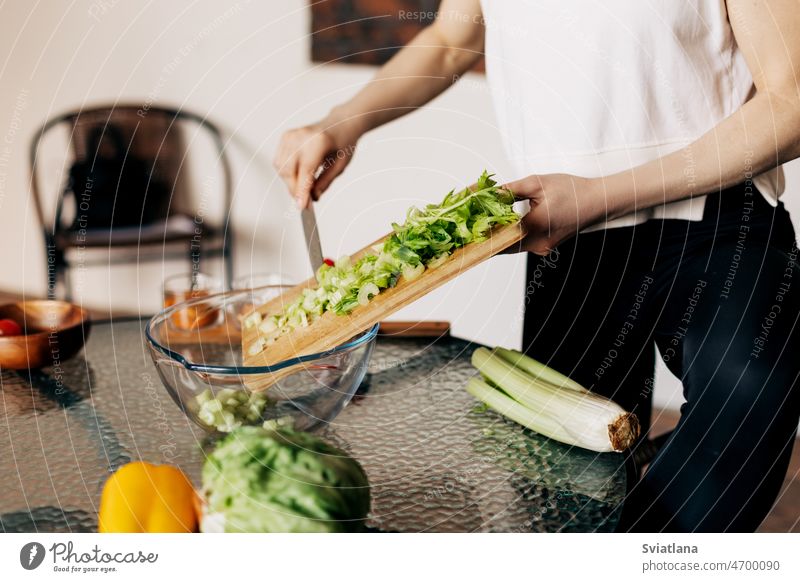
(279, 480)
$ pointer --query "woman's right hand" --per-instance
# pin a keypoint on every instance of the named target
(304, 150)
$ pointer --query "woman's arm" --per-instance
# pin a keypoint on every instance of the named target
(762, 134)
(419, 72)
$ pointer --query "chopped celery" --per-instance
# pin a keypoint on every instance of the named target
(425, 240)
(229, 408)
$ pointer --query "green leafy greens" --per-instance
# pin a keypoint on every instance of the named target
(281, 480)
(424, 241)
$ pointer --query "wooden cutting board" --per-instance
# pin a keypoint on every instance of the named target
(331, 330)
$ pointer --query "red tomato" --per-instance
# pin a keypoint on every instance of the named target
(328, 262)
(9, 327)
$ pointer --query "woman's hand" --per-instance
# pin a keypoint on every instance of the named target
(327, 146)
(561, 205)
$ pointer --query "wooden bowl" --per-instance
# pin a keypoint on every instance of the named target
(53, 331)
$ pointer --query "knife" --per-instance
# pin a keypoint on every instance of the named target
(311, 233)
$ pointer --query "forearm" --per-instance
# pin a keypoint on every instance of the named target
(764, 133)
(309, 158)
(419, 72)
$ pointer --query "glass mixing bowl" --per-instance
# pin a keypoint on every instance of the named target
(202, 368)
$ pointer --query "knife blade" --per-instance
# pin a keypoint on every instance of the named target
(311, 233)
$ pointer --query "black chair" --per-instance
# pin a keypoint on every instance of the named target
(124, 186)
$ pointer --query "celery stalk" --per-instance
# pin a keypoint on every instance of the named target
(510, 408)
(578, 418)
(538, 370)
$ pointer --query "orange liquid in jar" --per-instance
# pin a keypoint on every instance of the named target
(193, 317)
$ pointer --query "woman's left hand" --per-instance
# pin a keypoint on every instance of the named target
(561, 205)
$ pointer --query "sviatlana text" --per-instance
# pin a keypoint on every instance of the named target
(672, 548)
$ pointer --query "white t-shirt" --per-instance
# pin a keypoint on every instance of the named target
(593, 87)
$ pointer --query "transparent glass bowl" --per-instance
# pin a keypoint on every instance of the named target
(199, 363)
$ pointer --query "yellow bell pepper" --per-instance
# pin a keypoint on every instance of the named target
(142, 497)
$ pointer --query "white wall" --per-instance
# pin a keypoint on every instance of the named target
(246, 65)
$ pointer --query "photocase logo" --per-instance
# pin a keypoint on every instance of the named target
(31, 555)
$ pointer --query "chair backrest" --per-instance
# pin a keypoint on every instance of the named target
(130, 158)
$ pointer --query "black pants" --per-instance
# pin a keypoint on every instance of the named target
(720, 299)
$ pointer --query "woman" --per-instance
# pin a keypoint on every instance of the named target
(651, 135)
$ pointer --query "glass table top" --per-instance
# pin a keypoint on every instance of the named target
(435, 459)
